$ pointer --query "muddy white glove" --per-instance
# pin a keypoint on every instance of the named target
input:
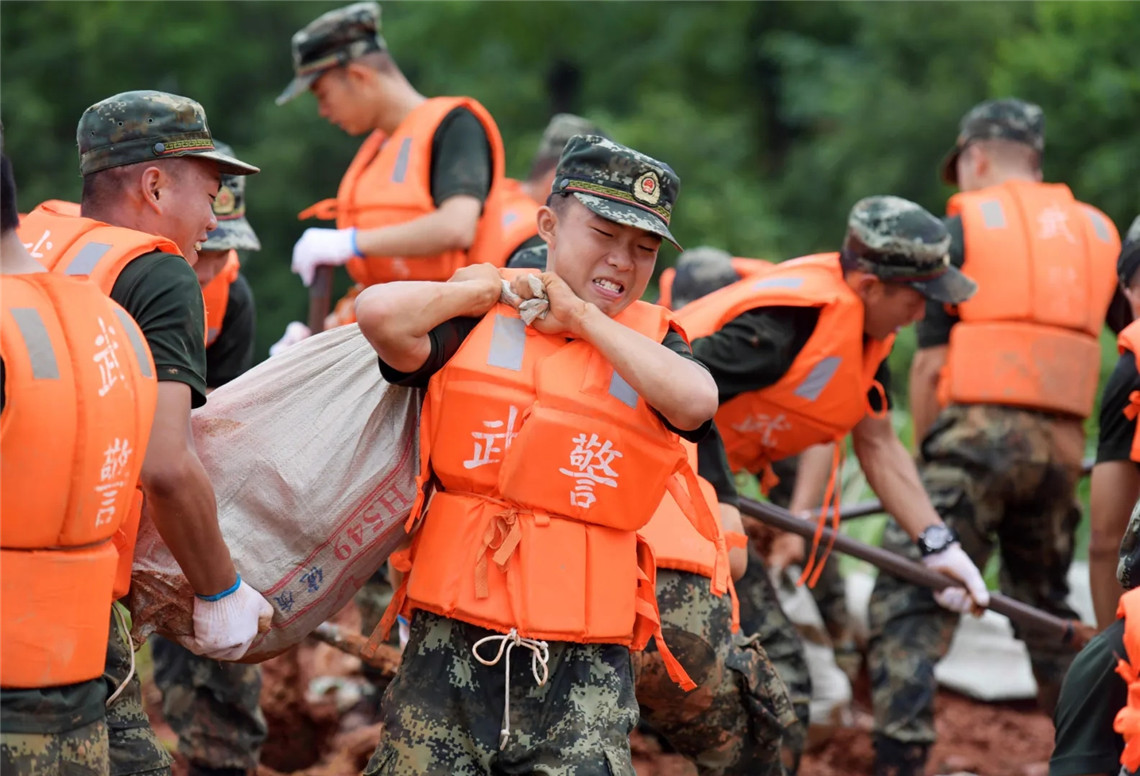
(227, 623)
(954, 562)
(323, 247)
(294, 333)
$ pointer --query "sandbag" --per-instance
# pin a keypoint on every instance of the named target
(313, 460)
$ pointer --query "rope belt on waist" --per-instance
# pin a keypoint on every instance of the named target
(539, 658)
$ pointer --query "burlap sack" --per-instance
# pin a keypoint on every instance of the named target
(313, 460)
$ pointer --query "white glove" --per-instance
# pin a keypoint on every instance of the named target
(294, 333)
(225, 628)
(954, 562)
(323, 247)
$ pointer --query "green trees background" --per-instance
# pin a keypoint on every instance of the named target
(776, 115)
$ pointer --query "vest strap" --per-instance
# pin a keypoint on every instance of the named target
(813, 568)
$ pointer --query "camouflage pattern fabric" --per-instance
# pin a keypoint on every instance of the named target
(147, 126)
(233, 231)
(79, 752)
(992, 473)
(619, 184)
(332, 40)
(213, 706)
(1128, 568)
(1005, 119)
(761, 616)
(134, 747)
(1129, 260)
(443, 711)
(733, 722)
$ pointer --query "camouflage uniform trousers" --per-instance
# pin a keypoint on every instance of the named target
(443, 711)
(78, 752)
(213, 706)
(991, 472)
(135, 749)
(762, 616)
(733, 722)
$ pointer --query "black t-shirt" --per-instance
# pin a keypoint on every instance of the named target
(712, 464)
(161, 292)
(232, 352)
(460, 158)
(757, 348)
(934, 328)
(1092, 694)
(449, 335)
(1116, 430)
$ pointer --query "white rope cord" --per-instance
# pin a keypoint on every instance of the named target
(539, 657)
(131, 647)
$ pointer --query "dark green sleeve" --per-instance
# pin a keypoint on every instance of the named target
(162, 294)
(1092, 693)
(231, 355)
(712, 464)
(460, 158)
(934, 329)
(1116, 429)
(676, 343)
(445, 341)
(755, 349)
(883, 378)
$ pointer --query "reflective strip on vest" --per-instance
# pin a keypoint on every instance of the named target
(400, 171)
(1099, 225)
(623, 391)
(508, 340)
(818, 378)
(38, 342)
(87, 258)
(992, 214)
(137, 345)
(779, 283)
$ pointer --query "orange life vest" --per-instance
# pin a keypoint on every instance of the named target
(824, 394)
(71, 245)
(519, 212)
(389, 182)
(1045, 265)
(216, 295)
(79, 402)
(1129, 339)
(547, 463)
(744, 267)
(1127, 722)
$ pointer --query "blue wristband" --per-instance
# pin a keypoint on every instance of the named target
(223, 594)
(403, 621)
(355, 247)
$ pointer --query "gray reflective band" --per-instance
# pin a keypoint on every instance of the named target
(992, 214)
(623, 391)
(401, 169)
(779, 283)
(142, 355)
(38, 342)
(1099, 225)
(818, 378)
(87, 258)
(508, 340)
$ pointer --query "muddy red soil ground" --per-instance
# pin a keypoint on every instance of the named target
(314, 734)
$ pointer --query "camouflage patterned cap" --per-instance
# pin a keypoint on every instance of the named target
(331, 40)
(700, 271)
(1129, 260)
(618, 183)
(1005, 119)
(561, 128)
(147, 126)
(233, 233)
(1128, 569)
(899, 242)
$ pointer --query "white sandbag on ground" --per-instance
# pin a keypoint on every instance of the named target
(313, 459)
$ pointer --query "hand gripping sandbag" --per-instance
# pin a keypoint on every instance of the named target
(313, 459)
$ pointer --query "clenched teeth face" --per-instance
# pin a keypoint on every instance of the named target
(609, 285)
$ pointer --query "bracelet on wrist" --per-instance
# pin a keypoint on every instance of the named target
(219, 596)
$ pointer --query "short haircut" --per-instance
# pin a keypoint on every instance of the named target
(559, 201)
(1010, 152)
(380, 61)
(10, 217)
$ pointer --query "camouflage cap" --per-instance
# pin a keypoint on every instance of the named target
(700, 271)
(561, 128)
(331, 40)
(899, 242)
(1129, 260)
(233, 232)
(1128, 569)
(1005, 119)
(146, 126)
(618, 183)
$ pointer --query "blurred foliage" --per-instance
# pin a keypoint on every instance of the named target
(777, 116)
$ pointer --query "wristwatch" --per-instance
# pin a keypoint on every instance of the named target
(935, 538)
